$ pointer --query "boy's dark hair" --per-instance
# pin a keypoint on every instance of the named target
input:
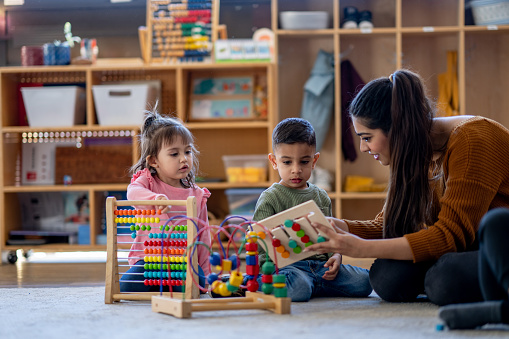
(292, 131)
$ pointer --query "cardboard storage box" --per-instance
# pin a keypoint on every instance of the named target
(242, 201)
(250, 168)
(124, 103)
(55, 106)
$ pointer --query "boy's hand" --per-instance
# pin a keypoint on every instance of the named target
(164, 209)
(334, 263)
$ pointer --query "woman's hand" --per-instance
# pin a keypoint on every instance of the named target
(338, 223)
(355, 247)
(339, 241)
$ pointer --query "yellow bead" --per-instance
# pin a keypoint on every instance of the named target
(215, 286)
(279, 285)
(223, 290)
(158, 220)
(251, 253)
(227, 265)
(236, 279)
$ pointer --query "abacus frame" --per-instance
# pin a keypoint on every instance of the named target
(112, 289)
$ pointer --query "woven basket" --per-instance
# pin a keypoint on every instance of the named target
(490, 12)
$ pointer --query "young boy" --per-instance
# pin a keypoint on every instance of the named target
(294, 157)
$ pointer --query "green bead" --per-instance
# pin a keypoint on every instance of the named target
(268, 267)
(320, 239)
(143, 228)
(132, 228)
(137, 227)
(297, 250)
(300, 233)
(292, 244)
(279, 278)
(288, 223)
(167, 228)
(149, 228)
(280, 292)
(230, 287)
(309, 243)
(267, 288)
(146, 266)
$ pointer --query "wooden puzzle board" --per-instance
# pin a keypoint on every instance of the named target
(303, 214)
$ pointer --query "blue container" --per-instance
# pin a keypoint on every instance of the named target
(57, 54)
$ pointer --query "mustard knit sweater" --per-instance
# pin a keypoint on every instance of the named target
(476, 176)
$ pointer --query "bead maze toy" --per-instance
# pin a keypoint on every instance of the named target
(167, 262)
(274, 293)
(291, 231)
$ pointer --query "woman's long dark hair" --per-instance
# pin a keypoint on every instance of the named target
(398, 105)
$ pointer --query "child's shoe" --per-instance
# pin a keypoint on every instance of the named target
(365, 19)
(350, 18)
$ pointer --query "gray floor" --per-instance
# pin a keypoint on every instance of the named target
(80, 312)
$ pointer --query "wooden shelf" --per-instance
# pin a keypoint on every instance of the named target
(213, 138)
(406, 34)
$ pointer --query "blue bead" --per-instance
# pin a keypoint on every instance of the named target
(212, 277)
(215, 259)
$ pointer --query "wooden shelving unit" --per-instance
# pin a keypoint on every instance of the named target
(213, 138)
(414, 34)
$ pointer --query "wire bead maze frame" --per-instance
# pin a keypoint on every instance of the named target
(116, 267)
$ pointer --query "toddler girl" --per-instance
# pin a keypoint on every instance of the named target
(166, 171)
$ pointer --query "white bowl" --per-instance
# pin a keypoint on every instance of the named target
(304, 19)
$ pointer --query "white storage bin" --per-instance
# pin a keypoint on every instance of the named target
(124, 103)
(490, 12)
(54, 105)
(304, 19)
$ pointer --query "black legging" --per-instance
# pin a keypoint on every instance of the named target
(494, 254)
(451, 279)
(456, 277)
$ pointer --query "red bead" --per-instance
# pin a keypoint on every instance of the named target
(145, 243)
(295, 227)
(305, 239)
(146, 282)
(267, 278)
(252, 269)
(252, 285)
(251, 247)
(276, 242)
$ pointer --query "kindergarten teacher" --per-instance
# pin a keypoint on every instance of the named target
(445, 174)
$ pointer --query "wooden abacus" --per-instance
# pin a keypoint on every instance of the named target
(179, 31)
(113, 274)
